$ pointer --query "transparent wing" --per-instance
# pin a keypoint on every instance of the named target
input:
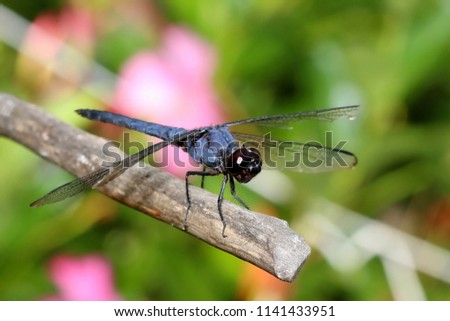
(96, 178)
(284, 121)
(72, 188)
(299, 157)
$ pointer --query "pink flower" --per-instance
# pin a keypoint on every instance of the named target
(71, 25)
(44, 41)
(171, 86)
(82, 278)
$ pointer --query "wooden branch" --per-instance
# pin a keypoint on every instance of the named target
(262, 240)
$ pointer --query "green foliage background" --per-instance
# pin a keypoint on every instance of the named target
(391, 57)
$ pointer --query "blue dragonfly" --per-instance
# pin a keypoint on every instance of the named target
(236, 156)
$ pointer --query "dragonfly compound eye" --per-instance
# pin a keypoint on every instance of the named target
(244, 164)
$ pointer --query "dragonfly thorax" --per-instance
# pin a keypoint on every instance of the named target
(244, 164)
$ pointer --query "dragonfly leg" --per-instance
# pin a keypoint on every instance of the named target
(233, 192)
(219, 203)
(202, 185)
(188, 197)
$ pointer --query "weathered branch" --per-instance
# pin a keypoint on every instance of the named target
(262, 240)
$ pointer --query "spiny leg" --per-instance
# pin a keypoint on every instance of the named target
(202, 185)
(233, 192)
(188, 197)
(219, 203)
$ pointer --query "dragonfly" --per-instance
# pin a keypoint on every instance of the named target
(221, 151)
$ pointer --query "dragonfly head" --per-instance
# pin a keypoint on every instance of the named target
(244, 164)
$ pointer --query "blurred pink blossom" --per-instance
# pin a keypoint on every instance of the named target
(82, 278)
(171, 86)
(45, 41)
(71, 25)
